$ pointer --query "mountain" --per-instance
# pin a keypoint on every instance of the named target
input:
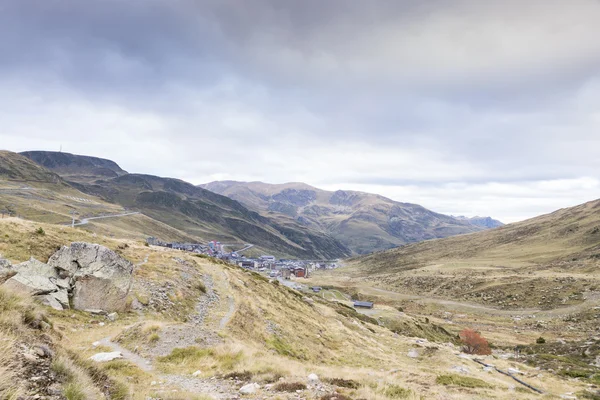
(484, 222)
(17, 168)
(76, 167)
(570, 237)
(190, 209)
(545, 262)
(363, 222)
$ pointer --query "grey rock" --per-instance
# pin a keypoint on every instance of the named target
(413, 353)
(249, 388)
(49, 300)
(30, 284)
(6, 273)
(34, 267)
(62, 296)
(102, 278)
(64, 283)
(4, 263)
(112, 317)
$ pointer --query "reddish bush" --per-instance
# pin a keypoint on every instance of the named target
(474, 343)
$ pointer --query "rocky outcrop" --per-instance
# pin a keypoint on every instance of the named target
(101, 277)
(83, 276)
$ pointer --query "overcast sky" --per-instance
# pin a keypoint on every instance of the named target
(463, 106)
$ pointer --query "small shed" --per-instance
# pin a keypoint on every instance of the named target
(363, 304)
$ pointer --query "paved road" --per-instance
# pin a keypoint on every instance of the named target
(86, 221)
(248, 246)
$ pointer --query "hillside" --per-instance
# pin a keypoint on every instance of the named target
(570, 236)
(363, 222)
(75, 167)
(16, 168)
(198, 213)
(543, 263)
(201, 329)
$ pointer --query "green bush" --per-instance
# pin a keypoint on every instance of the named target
(540, 340)
(462, 381)
(397, 392)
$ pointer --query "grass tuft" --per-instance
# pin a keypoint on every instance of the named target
(289, 386)
(397, 392)
(462, 381)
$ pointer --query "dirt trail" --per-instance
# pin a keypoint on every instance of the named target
(231, 301)
(216, 388)
(143, 363)
(193, 333)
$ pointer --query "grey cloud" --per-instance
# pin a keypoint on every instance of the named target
(466, 91)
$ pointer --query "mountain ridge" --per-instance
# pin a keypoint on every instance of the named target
(196, 211)
(364, 222)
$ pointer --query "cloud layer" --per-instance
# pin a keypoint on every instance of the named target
(465, 107)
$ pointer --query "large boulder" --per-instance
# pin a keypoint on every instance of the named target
(102, 279)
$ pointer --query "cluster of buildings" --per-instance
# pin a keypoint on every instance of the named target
(266, 264)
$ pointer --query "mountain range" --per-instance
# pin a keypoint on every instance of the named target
(363, 222)
(288, 220)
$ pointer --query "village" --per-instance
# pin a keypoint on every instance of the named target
(266, 264)
(286, 271)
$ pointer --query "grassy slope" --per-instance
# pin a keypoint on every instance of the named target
(273, 331)
(363, 222)
(546, 263)
(199, 213)
(568, 237)
(208, 215)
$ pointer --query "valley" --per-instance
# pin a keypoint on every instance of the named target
(198, 327)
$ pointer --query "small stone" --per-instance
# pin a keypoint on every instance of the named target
(313, 378)
(197, 373)
(112, 317)
(413, 354)
(249, 388)
(103, 357)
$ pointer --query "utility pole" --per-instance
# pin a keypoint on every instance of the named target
(73, 222)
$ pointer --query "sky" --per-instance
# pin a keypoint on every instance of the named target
(466, 107)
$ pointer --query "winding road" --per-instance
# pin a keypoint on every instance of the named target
(86, 221)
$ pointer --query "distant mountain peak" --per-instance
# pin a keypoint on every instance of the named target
(485, 222)
(363, 222)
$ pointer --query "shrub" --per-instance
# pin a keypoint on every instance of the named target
(240, 376)
(397, 392)
(345, 383)
(540, 340)
(181, 355)
(40, 231)
(462, 381)
(153, 338)
(334, 396)
(73, 391)
(200, 287)
(289, 386)
(474, 343)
